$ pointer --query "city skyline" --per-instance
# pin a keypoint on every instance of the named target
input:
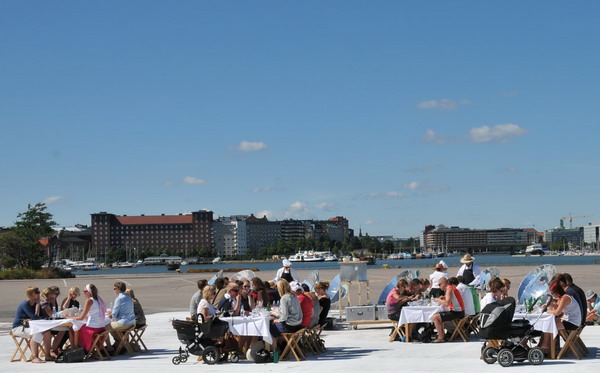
(394, 115)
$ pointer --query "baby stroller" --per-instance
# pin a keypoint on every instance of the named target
(201, 339)
(496, 323)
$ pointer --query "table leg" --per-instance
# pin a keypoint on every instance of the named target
(552, 345)
(406, 334)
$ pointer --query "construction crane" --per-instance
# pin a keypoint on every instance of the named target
(571, 217)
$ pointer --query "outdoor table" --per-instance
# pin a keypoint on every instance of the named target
(40, 326)
(250, 326)
(415, 315)
(546, 324)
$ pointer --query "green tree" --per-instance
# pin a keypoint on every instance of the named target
(33, 225)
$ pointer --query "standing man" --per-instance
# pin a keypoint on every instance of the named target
(287, 272)
(469, 270)
(122, 315)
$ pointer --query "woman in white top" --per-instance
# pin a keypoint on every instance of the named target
(93, 312)
(205, 307)
(567, 311)
(434, 278)
(497, 288)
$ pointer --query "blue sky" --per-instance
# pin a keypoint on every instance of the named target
(395, 114)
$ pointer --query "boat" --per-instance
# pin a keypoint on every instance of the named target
(122, 265)
(173, 266)
(328, 256)
(91, 268)
(369, 259)
(216, 260)
(306, 256)
(534, 249)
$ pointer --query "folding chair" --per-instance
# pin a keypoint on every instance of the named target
(21, 350)
(292, 346)
(319, 343)
(397, 331)
(98, 350)
(571, 339)
(461, 329)
(123, 336)
(307, 342)
(136, 339)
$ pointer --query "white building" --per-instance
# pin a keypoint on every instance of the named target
(230, 236)
(591, 234)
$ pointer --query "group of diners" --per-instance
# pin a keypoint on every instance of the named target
(43, 305)
(292, 305)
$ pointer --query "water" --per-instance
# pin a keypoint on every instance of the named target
(483, 261)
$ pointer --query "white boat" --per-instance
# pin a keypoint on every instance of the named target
(216, 260)
(306, 256)
(534, 248)
(122, 265)
(328, 256)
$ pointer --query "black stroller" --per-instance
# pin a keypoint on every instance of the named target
(496, 323)
(201, 339)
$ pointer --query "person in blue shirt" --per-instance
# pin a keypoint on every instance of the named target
(593, 305)
(122, 315)
(30, 310)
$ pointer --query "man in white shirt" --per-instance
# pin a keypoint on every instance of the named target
(466, 295)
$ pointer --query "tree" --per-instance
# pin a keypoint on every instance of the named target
(13, 250)
(24, 246)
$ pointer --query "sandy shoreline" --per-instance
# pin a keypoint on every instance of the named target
(172, 291)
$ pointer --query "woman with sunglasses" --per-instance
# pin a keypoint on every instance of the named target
(93, 312)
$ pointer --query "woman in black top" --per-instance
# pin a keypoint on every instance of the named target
(71, 299)
(324, 301)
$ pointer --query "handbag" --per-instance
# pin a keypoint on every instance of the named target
(76, 355)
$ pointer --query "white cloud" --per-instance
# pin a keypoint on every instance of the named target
(268, 213)
(168, 183)
(193, 180)
(248, 146)
(53, 199)
(325, 205)
(432, 136)
(297, 206)
(443, 103)
(511, 169)
(369, 222)
(387, 195)
(413, 185)
(499, 133)
(265, 189)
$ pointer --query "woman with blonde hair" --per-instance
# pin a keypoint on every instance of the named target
(29, 310)
(290, 313)
(205, 307)
(140, 318)
(71, 298)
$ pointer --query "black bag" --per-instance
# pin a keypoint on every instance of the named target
(262, 356)
(71, 356)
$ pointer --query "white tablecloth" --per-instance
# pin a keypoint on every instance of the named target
(250, 326)
(40, 326)
(545, 323)
(417, 314)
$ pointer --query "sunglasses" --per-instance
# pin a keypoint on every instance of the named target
(235, 290)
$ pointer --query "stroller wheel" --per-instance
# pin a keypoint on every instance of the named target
(210, 355)
(176, 360)
(505, 357)
(489, 355)
(183, 358)
(234, 357)
(535, 356)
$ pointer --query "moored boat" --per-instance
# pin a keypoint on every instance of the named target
(306, 256)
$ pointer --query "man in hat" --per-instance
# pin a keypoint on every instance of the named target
(469, 270)
(440, 271)
(287, 272)
(593, 307)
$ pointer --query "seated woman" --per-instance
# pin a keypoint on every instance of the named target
(29, 310)
(140, 318)
(496, 289)
(397, 298)
(205, 307)
(567, 312)
(245, 298)
(93, 313)
(219, 285)
(506, 283)
(289, 317)
(49, 307)
(321, 288)
(440, 271)
(71, 299)
(314, 319)
(259, 293)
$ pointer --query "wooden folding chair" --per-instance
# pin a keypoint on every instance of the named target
(20, 353)
(572, 344)
(461, 329)
(473, 325)
(136, 339)
(292, 346)
(308, 343)
(318, 341)
(98, 350)
(123, 337)
(397, 331)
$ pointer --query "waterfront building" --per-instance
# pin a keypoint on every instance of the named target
(456, 238)
(230, 236)
(591, 235)
(177, 233)
(73, 242)
(573, 236)
(292, 229)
